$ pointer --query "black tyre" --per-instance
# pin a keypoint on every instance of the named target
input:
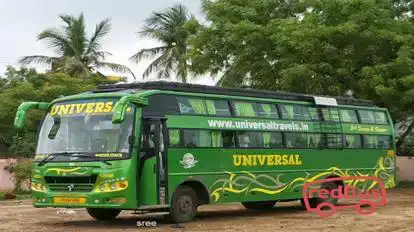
(103, 214)
(314, 202)
(183, 204)
(259, 205)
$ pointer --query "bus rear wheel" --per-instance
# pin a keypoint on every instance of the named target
(103, 214)
(184, 204)
(314, 202)
(258, 205)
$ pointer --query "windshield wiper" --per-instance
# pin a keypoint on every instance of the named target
(70, 154)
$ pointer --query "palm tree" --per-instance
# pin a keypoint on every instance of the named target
(167, 27)
(77, 55)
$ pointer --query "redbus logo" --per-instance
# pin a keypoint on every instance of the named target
(320, 201)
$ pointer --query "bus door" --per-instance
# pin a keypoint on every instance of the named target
(152, 174)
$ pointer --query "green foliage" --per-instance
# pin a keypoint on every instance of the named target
(172, 27)
(22, 172)
(77, 55)
(23, 145)
(325, 47)
(27, 85)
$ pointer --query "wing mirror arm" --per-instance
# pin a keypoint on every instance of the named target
(122, 105)
(21, 113)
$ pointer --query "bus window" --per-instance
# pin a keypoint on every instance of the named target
(380, 117)
(349, 116)
(197, 138)
(228, 139)
(333, 140)
(379, 142)
(295, 140)
(313, 112)
(244, 109)
(218, 108)
(272, 139)
(366, 116)
(216, 139)
(314, 140)
(286, 111)
(353, 141)
(174, 135)
(330, 114)
(249, 139)
(305, 113)
(384, 142)
(267, 111)
(191, 106)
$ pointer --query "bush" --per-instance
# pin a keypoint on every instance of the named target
(22, 172)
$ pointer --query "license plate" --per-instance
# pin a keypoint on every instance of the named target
(69, 200)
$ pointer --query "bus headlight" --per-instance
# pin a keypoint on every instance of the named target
(112, 186)
(38, 187)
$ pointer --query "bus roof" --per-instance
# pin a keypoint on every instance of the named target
(195, 88)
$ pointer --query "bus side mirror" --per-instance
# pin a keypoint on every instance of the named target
(122, 105)
(21, 113)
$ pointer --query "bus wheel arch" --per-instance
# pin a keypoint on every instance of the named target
(200, 189)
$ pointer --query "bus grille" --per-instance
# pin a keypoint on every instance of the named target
(70, 183)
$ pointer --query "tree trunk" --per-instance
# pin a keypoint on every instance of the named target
(404, 135)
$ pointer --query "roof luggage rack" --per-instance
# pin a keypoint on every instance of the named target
(246, 92)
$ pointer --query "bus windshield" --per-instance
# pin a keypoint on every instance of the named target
(84, 127)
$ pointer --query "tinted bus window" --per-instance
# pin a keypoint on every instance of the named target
(249, 139)
(267, 111)
(349, 116)
(197, 138)
(352, 141)
(333, 140)
(244, 109)
(191, 106)
(272, 139)
(375, 141)
(380, 117)
(295, 140)
(297, 112)
(218, 108)
(313, 112)
(330, 114)
(366, 116)
(314, 140)
(174, 136)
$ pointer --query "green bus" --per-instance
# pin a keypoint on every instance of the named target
(171, 147)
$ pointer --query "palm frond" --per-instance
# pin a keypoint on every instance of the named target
(147, 53)
(101, 30)
(56, 40)
(115, 67)
(68, 19)
(77, 36)
(163, 66)
(39, 59)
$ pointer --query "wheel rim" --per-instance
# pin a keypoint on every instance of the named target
(185, 205)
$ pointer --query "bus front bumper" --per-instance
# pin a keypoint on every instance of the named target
(116, 200)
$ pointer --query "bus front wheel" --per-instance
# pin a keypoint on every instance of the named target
(103, 214)
(184, 204)
(258, 205)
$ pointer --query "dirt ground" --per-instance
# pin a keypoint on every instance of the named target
(397, 215)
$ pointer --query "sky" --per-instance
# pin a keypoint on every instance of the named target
(22, 20)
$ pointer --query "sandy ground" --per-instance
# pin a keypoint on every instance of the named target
(397, 215)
